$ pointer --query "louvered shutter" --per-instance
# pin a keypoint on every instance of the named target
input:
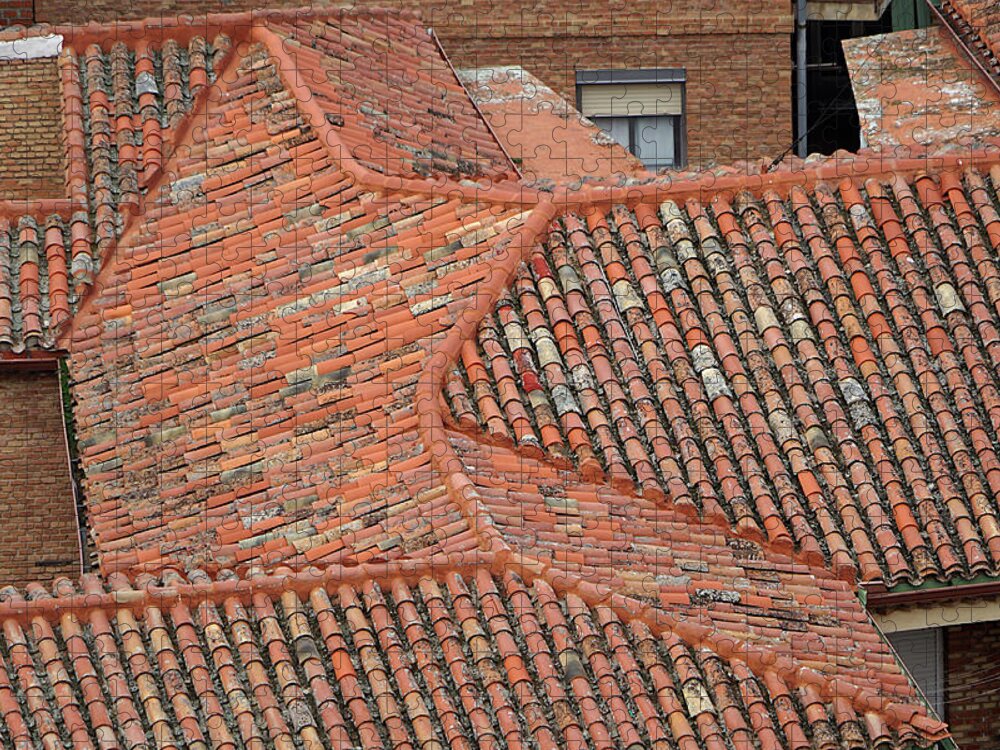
(629, 99)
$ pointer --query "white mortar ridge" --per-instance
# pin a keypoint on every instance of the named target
(31, 48)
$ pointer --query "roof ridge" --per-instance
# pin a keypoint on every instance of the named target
(429, 406)
(37, 207)
(152, 182)
(829, 169)
(42, 603)
(506, 192)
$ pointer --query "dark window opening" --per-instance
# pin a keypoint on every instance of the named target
(831, 110)
(89, 556)
(922, 653)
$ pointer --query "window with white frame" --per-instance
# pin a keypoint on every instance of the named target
(641, 109)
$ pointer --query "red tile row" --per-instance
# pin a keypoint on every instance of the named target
(130, 98)
(458, 661)
(37, 290)
(820, 370)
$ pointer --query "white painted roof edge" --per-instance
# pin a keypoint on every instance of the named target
(31, 48)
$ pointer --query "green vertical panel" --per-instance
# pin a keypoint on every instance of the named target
(904, 14)
(910, 14)
(924, 14)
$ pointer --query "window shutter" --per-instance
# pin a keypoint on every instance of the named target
(624, 99)
(921, 652)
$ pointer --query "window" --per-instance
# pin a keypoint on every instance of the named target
(922, 654)
(641, 109)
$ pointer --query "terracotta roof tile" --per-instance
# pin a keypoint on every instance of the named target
(803, 401)
(915, 90)
(323, 411)
(132, 97)
(37, 292)
(548, 139)
(353, 657)
(392, 96)
(476, 463)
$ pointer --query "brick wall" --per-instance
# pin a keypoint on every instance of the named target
(973, 685)
(738, 100)
(38, 533)
(737, 54)
(31, 149)
(16, 12)
(480, 17)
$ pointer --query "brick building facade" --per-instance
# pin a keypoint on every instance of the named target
(735, 56)
(14, 12)
(30, 129)
(972, 684)
(38, 530)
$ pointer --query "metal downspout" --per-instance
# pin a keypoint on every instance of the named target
(801, 110)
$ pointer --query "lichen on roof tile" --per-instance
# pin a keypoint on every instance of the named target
(385, 447)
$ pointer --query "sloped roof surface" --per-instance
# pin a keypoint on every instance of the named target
(817, 369)
(616, 447)
(123, 102)
(547, 137)
(457, 659)
(251, 290)
(393, 97)
(936, 88)
(915, 90)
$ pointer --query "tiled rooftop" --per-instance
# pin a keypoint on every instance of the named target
(473, 462)
(542, 132)
(250, 319)
(915, 90)
(393, 97)
(461, 660)
(936, 88)
(817, 369)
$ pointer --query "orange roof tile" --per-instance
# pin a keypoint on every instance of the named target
(475, 462)
(546, 136)
(914, 90)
